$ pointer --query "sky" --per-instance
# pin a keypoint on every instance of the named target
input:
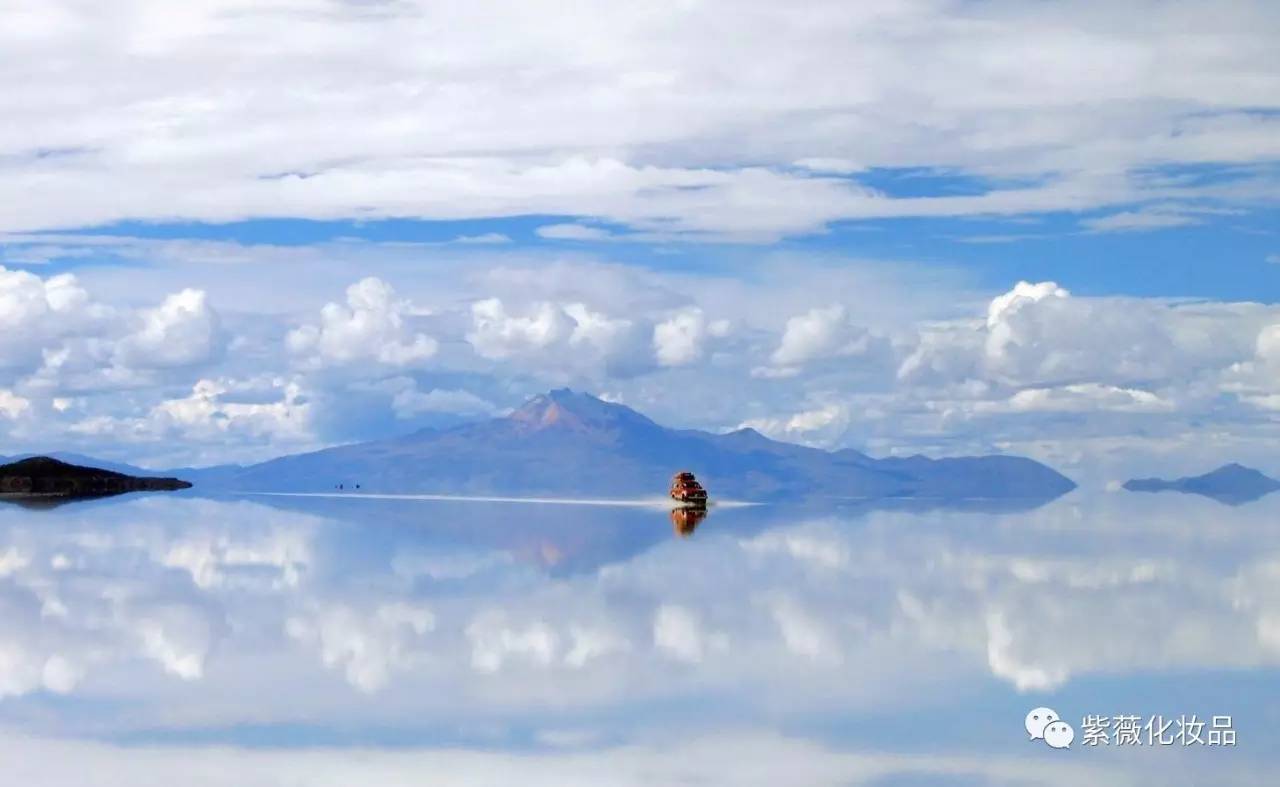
(238, 229)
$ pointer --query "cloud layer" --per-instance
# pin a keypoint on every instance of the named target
(704, 118)
(185, 377)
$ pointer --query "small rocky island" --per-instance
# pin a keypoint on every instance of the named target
(42, 477)
(1232, 484)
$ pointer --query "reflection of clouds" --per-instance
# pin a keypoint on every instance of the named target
(1039, 622)
(225, 596)
(819, 551)
(499, 640)
(591, 643)
(176, 636)
(217, 560)
(366, 644)
(495, 640)
(804, 634)
(442, 565)
(33, 654)
(752, 759)
(93, 589)
(677, 632)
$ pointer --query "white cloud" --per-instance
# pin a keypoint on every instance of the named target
(182, 331)
(211, 412)
(371, 327)
(410, 401)
(12, 405)
(573, 232)
(837, 166)
(818, 333)
(821, 425)
(594, 328)
(36, 312)
(680, 339)
(999, 373)
(1038, 334)
(1140, 221)
(495, 334)
(1088, 397)
(664, 122)
(484, 239)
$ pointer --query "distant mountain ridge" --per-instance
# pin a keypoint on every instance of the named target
(1232, 484)
(568, 443)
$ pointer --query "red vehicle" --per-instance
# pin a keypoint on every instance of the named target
(686, 489)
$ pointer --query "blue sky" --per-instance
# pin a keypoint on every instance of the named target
(1228, 257)
(923, 225)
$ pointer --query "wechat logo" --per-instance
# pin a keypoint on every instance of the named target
(1045, 724)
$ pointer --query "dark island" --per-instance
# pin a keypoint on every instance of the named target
(41, 477)
(1232, 484)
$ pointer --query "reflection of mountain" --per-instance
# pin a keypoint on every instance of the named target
(566, 443)
(1232, 484)
(567, 540)
(42, 478)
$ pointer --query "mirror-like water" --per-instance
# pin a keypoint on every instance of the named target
(270, 638)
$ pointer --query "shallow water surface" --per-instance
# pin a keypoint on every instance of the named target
(263, 640)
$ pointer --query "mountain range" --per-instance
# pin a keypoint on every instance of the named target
(1232, 484)
(565, 443)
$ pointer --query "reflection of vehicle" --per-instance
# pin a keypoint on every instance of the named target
(686, 489)
(686, 519)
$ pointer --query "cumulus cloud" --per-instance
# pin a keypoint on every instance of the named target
(12, 405)
(57, 342)
(496, 334)
(372, 326)
(821, 333)
(36, 312)
(680, 339)
(211, 411)
(1037, 334)
(182, 331)
(565, 337)
(1032, 363)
